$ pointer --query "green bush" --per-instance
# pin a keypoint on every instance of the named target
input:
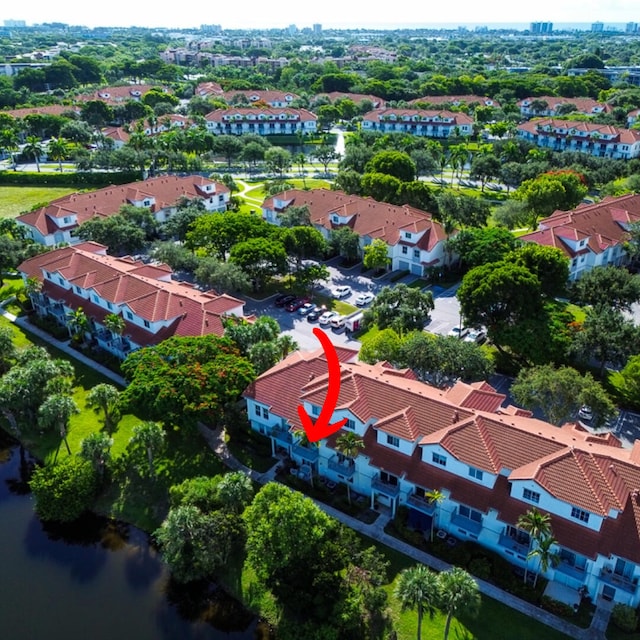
(625, 617)
(557, 608)
(48, 324)
(480, 568)
(398, 276)
(80, 179)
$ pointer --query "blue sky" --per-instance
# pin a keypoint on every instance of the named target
(329, 13)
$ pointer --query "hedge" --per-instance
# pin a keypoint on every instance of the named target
(81, 179)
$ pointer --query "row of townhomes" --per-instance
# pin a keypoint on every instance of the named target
(264, 122)
(602, 140)
(592, 235)
(554, 106)
(55, 223)
(152, 306)
(492, 463)
(419, 122)
(415, 241)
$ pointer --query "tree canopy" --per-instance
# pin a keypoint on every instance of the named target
(400, 308)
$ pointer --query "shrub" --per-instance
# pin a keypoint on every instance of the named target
(83, 179)
(557, 608)
(398, 276)
(480, 568)
(625, 617)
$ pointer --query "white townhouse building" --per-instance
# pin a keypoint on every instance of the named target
(601, 140)
(264, 122)
(419, 122)
(152, 306)
(55, 223)
(534, 106)
(592, 235)
(491, 463)
(274, 99)
(415, 240)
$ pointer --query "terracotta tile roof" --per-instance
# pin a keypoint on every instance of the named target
(369, 218)
(457, 118)
(165, 190)
(207, 89)
(115, 95)
(603, 223)
(255, 95)
(144, 289)
(50, 110)
(302, 115)
(355, 97)
(627, 136)
(583, 105)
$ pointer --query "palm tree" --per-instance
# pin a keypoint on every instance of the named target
(349, 444)
(537, 525)
(105, 397)
(96, 448)
(435, 497)
(58, 149)
(56, 411)
(77, 322)
(286, 344)
(547, 556)
(300, 160)
(418, 588)
(303, 441)
(9, 143)
(458, 592)
(151, 437)
(33, 149)
(235, 491)
(115, 324)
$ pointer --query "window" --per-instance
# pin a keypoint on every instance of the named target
(579, 514)
(475, 473)
(393, 441)
(61, 281)
(439, 459)
(470, 514)
(405, 250)
(407, 235)
(416, 253)
(350, 424)
(315, 410)
(258, 410)
(95, 299)
(388, 478)
(129, 315)
(66, 220)
(78, 289)
(146, 324)
(265, 413)
(531, 496)
(109, 306)
(146, 203)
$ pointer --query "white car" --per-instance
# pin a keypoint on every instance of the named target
(475, 335)
(364, 299)
(585, 413)
(458, 332)
(337, 322)
(327, 316)
(341, 292)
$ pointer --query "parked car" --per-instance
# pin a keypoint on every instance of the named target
(283, 300)
(337, 322)
(327, 316)
(312, 316)
(585, 413)
(295, 304)
(364, 299)
(458, 332)
(476, 335)
(306, 308)
(343, 291)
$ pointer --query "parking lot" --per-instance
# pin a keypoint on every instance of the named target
(444, 317)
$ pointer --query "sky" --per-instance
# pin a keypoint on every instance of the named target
(256, 14)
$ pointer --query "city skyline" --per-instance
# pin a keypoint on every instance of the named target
(331, 14)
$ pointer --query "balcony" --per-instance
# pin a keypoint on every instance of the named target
(391, 490)
(342, 467)
(309, 455)
(470, 526)
(573, 572)
(520, 548)
(616, 580)
(282, 436)
(421, 504)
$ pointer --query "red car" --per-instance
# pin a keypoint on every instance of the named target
(295, 304)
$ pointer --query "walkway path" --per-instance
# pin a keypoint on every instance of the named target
(376, 532)
(215, 439)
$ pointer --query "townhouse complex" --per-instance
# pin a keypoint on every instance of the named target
(153, 307)
(56, 222)
(491, 463)
(265, 122)
(419, 122)
(415, 240)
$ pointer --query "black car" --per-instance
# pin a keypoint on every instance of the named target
(283, 300)
(313, 316)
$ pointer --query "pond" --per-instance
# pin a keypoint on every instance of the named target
(96, 579)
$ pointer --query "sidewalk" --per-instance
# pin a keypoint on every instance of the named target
(376, 532)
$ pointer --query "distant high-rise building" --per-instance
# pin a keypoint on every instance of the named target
(597, 27)
(632, 27)
(15, 24)
(292, 29)
(211, 28)
(541, 27)
(317, 29)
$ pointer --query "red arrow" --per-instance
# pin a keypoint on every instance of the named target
(322, 428)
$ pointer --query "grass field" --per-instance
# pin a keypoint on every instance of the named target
(17, 200)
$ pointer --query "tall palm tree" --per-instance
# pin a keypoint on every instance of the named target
(105, 397)
(115, 324)
(58, 149)
(546, 555)
(235, 491)
(537, 525)
(418, 588)
(458, 592)
(300, 160)
(56, 411)
(150, 437)
(33, 149)
(435, 497)
(77, 321)
(349, 444)
(9, 143)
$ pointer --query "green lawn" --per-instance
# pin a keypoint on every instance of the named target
(17, 200)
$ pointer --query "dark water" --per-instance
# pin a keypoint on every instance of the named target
(97, 581)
